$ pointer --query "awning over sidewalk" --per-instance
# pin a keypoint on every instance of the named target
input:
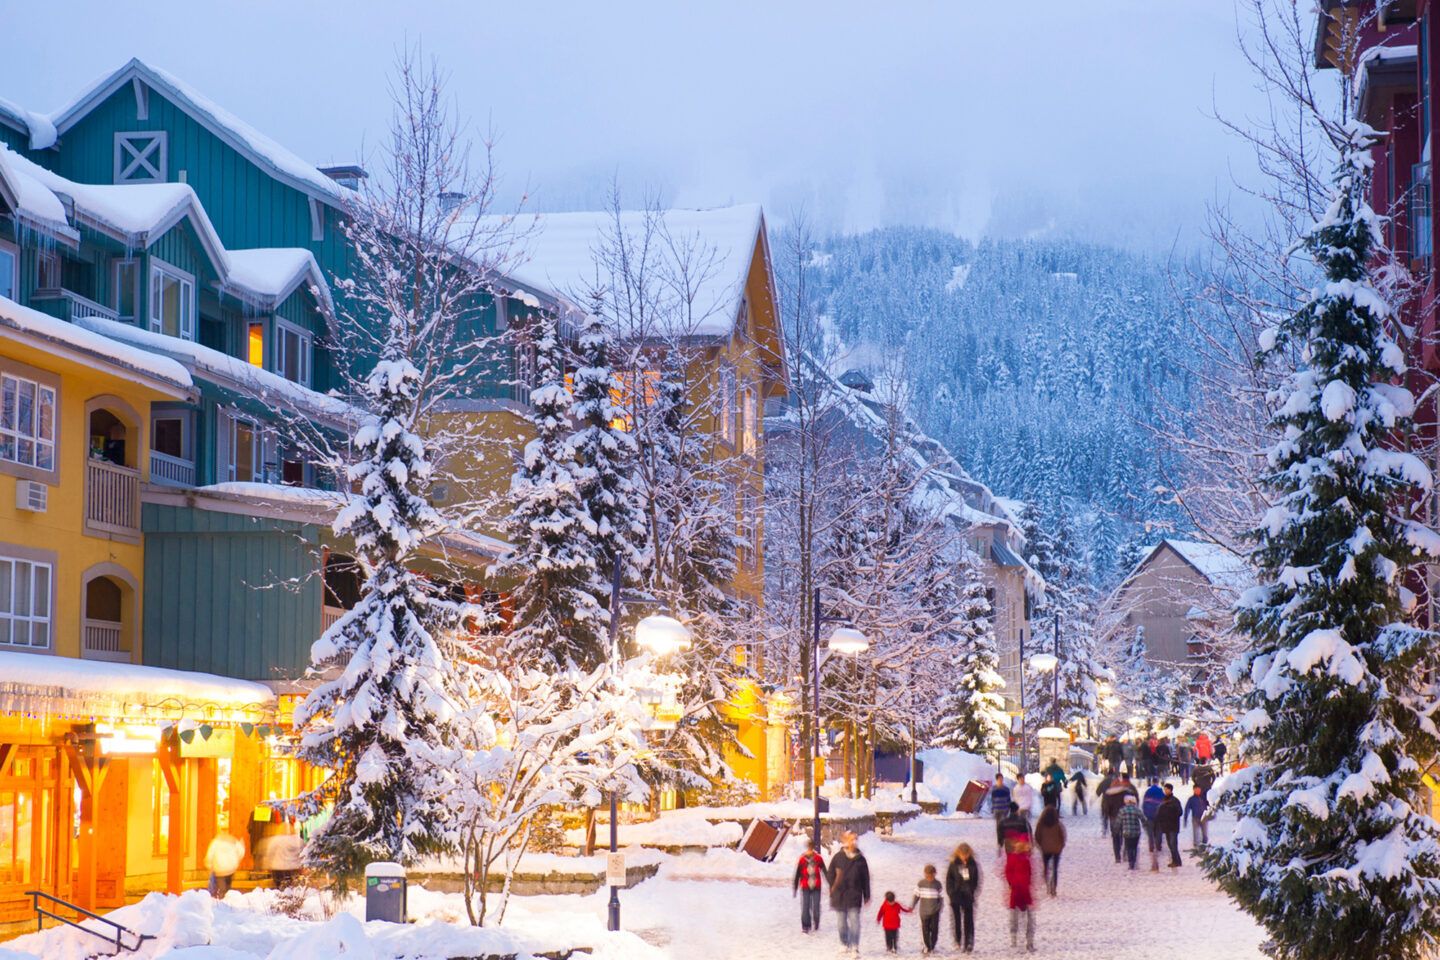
(40, 685)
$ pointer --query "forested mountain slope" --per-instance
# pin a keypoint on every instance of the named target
(1041, 364)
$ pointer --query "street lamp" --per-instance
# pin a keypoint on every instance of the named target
(660, 635)
(846, 641)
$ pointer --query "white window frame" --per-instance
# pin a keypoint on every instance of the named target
(159, 271)
(727, 404)
(9, 617)
(257, 450)
(11, 430)
(142, 151)
(307, 349)
(13, 253)
(137, 295)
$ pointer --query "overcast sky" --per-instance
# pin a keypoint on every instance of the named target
(1076, 119)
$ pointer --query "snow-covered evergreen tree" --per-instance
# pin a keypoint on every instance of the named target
(605, 450)
(1139, 683)
(1329, 851)
(559, 614)
(972, 715)
(395, 684)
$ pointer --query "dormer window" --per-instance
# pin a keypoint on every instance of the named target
(172, 301)
(140, 157)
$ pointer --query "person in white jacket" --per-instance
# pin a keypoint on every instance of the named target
(222, 859)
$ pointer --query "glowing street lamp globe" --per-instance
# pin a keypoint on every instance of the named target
(849, 641)
(662, 635)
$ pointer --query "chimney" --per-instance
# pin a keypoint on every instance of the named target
(348, 175)
(450, 199)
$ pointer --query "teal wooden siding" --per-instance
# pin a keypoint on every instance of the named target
(14, 139)
(228, 594)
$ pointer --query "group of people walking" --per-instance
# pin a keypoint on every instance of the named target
(1160, 757)
(1125, 814)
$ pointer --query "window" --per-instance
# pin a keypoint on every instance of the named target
(172, 301)
(747, 530)
(160, 810)
(292, 353)
(9, 270)
(749, 426)
(244, 451)
(255, 345)
(27, 422)
(140, 157)
(127, 290)
(1421, 214)
(726, 403)
(25, 603)
(47, 271)
(167, 436)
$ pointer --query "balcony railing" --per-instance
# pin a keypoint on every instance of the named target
(105, 640)
(112, 498)
(76, 306)
(172, 470)
(329, 615)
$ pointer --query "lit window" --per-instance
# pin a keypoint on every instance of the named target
(726, 403)
(25, 603)
(255, 345)
(27, 422)
(172, 301)
(749, 427)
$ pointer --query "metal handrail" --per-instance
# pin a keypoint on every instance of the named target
(120, 930)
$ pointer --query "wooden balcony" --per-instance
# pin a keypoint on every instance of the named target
(171, 470)
(104, 640)
(75, 306)
(112, 500)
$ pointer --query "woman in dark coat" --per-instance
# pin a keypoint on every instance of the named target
(962, 880)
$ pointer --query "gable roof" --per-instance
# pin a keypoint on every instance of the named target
(1216, 564)
(35, 125)
(558, 255)
(276, 160)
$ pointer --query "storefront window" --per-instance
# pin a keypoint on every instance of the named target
(17, 823)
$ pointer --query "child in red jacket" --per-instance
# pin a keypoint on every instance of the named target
(889, 920)
(1022, 900)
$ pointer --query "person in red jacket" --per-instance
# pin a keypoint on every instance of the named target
(1022, 900)
(889, 920)
(809, 874)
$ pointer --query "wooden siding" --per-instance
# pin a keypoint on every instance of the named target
(229, 594)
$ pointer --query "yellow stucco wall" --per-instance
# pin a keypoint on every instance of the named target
(60, 530)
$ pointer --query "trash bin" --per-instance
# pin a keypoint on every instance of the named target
(385, 892)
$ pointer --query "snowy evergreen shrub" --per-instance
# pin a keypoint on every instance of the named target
(972, 714)
(1330, 851)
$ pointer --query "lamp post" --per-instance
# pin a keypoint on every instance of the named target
(660, 635)
(843, 640)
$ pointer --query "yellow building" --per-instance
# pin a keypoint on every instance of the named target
(709, 292)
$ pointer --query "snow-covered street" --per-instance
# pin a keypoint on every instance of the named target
(1103, 910)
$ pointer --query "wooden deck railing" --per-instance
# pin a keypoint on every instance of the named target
(172, 470)
(112, 498)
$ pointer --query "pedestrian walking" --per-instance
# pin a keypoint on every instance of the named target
(1078, 781)
(1114, 754)
(1220, 751)
(1164, 754)
(1204, 777)
(1150, 807)
(999, 806)
(1050, 838)
(1167, 824)
(1195, 809)
(809, 879)
(1018, 872)
(1127, 754)
(283, 857)
(849, 879)
(962, 882)
(1050, 794)
(1147, 757)
(1110, 807)
(1128, 824)
(929, 898)
(1015, 828)
(222, 859)
(1204, 751)
(889, 919)
(1024, 795)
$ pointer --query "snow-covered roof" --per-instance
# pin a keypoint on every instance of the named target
(1217, 564)
(38, 126)
(220, 367)
(95, 345)
(34, 682)
(137, 214)
(558, 255)
(255, 146)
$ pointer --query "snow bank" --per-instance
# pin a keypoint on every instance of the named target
(77, 678)
(947, 772)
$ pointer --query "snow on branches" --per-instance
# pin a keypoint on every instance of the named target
(1328, 847)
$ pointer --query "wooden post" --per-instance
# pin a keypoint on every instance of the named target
(90, 776)
(169, 756)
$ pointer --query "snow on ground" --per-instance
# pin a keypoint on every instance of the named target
(726, 905)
